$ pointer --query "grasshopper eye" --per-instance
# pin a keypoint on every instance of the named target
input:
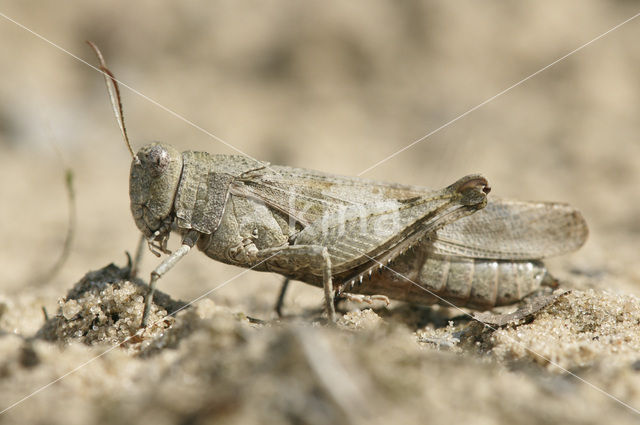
(158, 160)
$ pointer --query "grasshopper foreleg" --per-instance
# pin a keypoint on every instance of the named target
(188, 242)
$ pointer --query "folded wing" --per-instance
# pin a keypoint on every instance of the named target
(514, 230)
(503, 230)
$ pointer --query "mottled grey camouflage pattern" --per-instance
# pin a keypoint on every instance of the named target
(365, 237)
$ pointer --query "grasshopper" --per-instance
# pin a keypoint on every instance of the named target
(349, 236)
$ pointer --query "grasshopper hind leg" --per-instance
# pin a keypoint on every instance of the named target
(337, 298)
(315, 256)
(362, 299)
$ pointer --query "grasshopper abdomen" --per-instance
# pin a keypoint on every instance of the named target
(478, 283)
(421, 277)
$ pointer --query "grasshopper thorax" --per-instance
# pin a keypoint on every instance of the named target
(153, 182)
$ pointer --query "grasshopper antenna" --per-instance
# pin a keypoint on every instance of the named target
(114, 96)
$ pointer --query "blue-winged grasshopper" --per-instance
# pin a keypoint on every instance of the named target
(346, 235)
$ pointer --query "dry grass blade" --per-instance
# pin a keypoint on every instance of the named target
(71, 230)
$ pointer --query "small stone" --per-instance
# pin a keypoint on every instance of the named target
(70, 309)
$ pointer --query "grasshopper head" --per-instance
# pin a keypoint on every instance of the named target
(154, 178)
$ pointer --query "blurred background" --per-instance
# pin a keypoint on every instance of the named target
(333, 86)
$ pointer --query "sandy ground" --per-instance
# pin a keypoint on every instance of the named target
(337, 87)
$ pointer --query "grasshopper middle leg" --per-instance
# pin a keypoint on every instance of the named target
(280, 301)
